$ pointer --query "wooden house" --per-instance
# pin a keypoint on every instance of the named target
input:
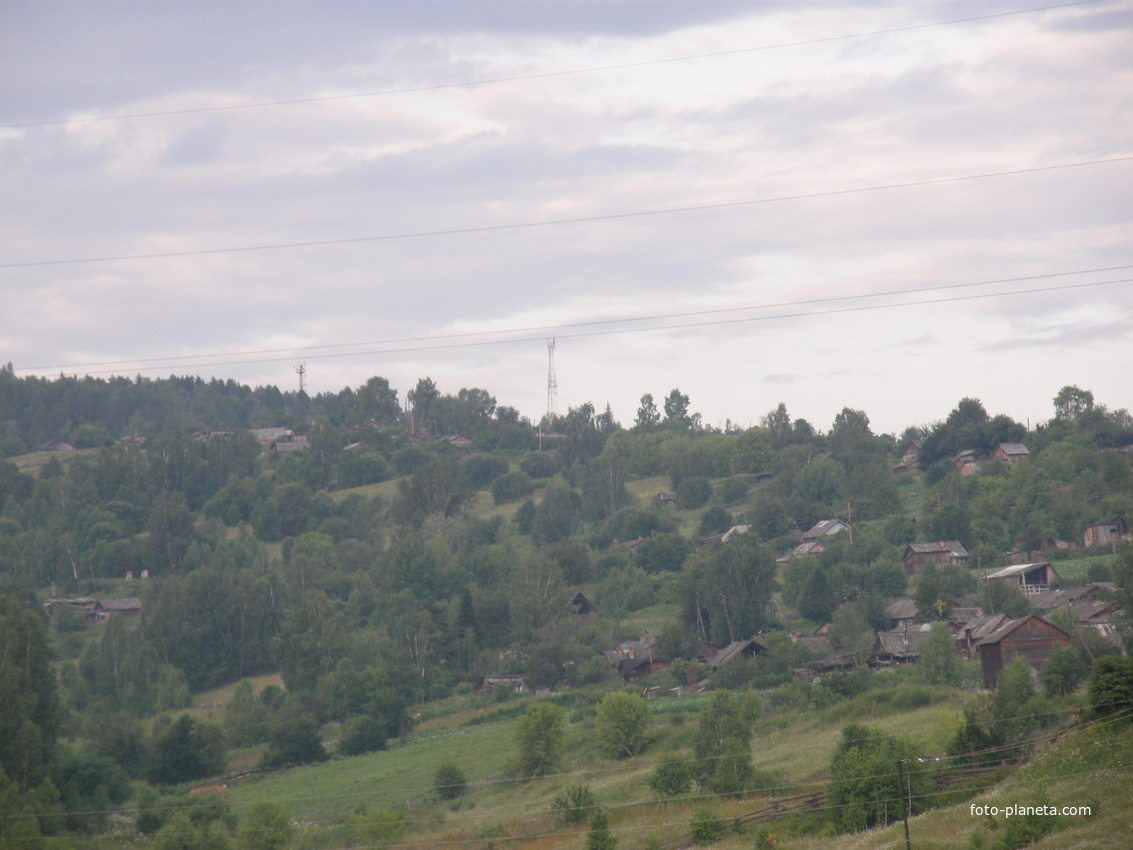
(1027, 578)
(900, 612)
(1010, 453)
(584, 608)
(967, 462)
(635, 659)
(813, 548)
(909, 459)
(510, 682)
(825, 528)
(969, 635)
(747, 648)
(899, 646)
(1031, 637)
(1106, 534)
(942, 553)
(95, 611)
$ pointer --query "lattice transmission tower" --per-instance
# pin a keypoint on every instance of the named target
(552, 384)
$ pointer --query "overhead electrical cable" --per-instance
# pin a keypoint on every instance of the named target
(609, 332)
(559, 327)
(489, 228)
(540, 75)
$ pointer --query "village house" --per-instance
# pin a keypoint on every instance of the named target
(1106, 534)
(95, 611)
(510, 682)
(584, 610)
(970, 634)
(635, 659)
(967, 462)
(909, 459)
(747, 648)
(1031, 637)
(825, 528)
(900, 612)
(1010, 453)
(1027, 578)
(813, 548)
(899, 646)
(942, 553)
(1088, 603)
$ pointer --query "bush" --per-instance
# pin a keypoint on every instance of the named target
(864, 780)
(483, 469)
(362, 735)
(294, 740)
(1111, 685)
(732, 491)
(511, 488)
(1063, 672)
(707, 827)
(671, 778)
(693, 492)
(539, 465)
(574, 805)
(449, 782)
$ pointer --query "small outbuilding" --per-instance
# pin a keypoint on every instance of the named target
(1027, 578)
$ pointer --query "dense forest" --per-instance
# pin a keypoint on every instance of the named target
(378, 555)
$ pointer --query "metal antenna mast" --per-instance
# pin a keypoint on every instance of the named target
(552, 384)
(301, 369)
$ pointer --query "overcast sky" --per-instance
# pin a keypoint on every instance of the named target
(814, 203)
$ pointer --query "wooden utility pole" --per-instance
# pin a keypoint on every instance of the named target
(904, 799)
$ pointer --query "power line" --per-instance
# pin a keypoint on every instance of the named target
(540, 75)
(590, 323)
(457, 231)
(597, 333)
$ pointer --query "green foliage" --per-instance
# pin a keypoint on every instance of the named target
(294, 740)
(622, 722)
(715, 520)
(864, 783)
(186, 750)
(995, 728)
(449, 781)
(723, 746)
(599, 837)
(29, 714)
(360, 735)
(539, 739)
(1111, 685)
(939, 663)
(733, 583)
(181, 833)
(266, 825)
(379, 828)
(671, 777)
(693, 492)
(511, 487)
(574, 805)
(1018, 831)
(539, 465)
(88, 786)
(1063, 671)
(483, 469)
(707, 827)
(665, 552)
